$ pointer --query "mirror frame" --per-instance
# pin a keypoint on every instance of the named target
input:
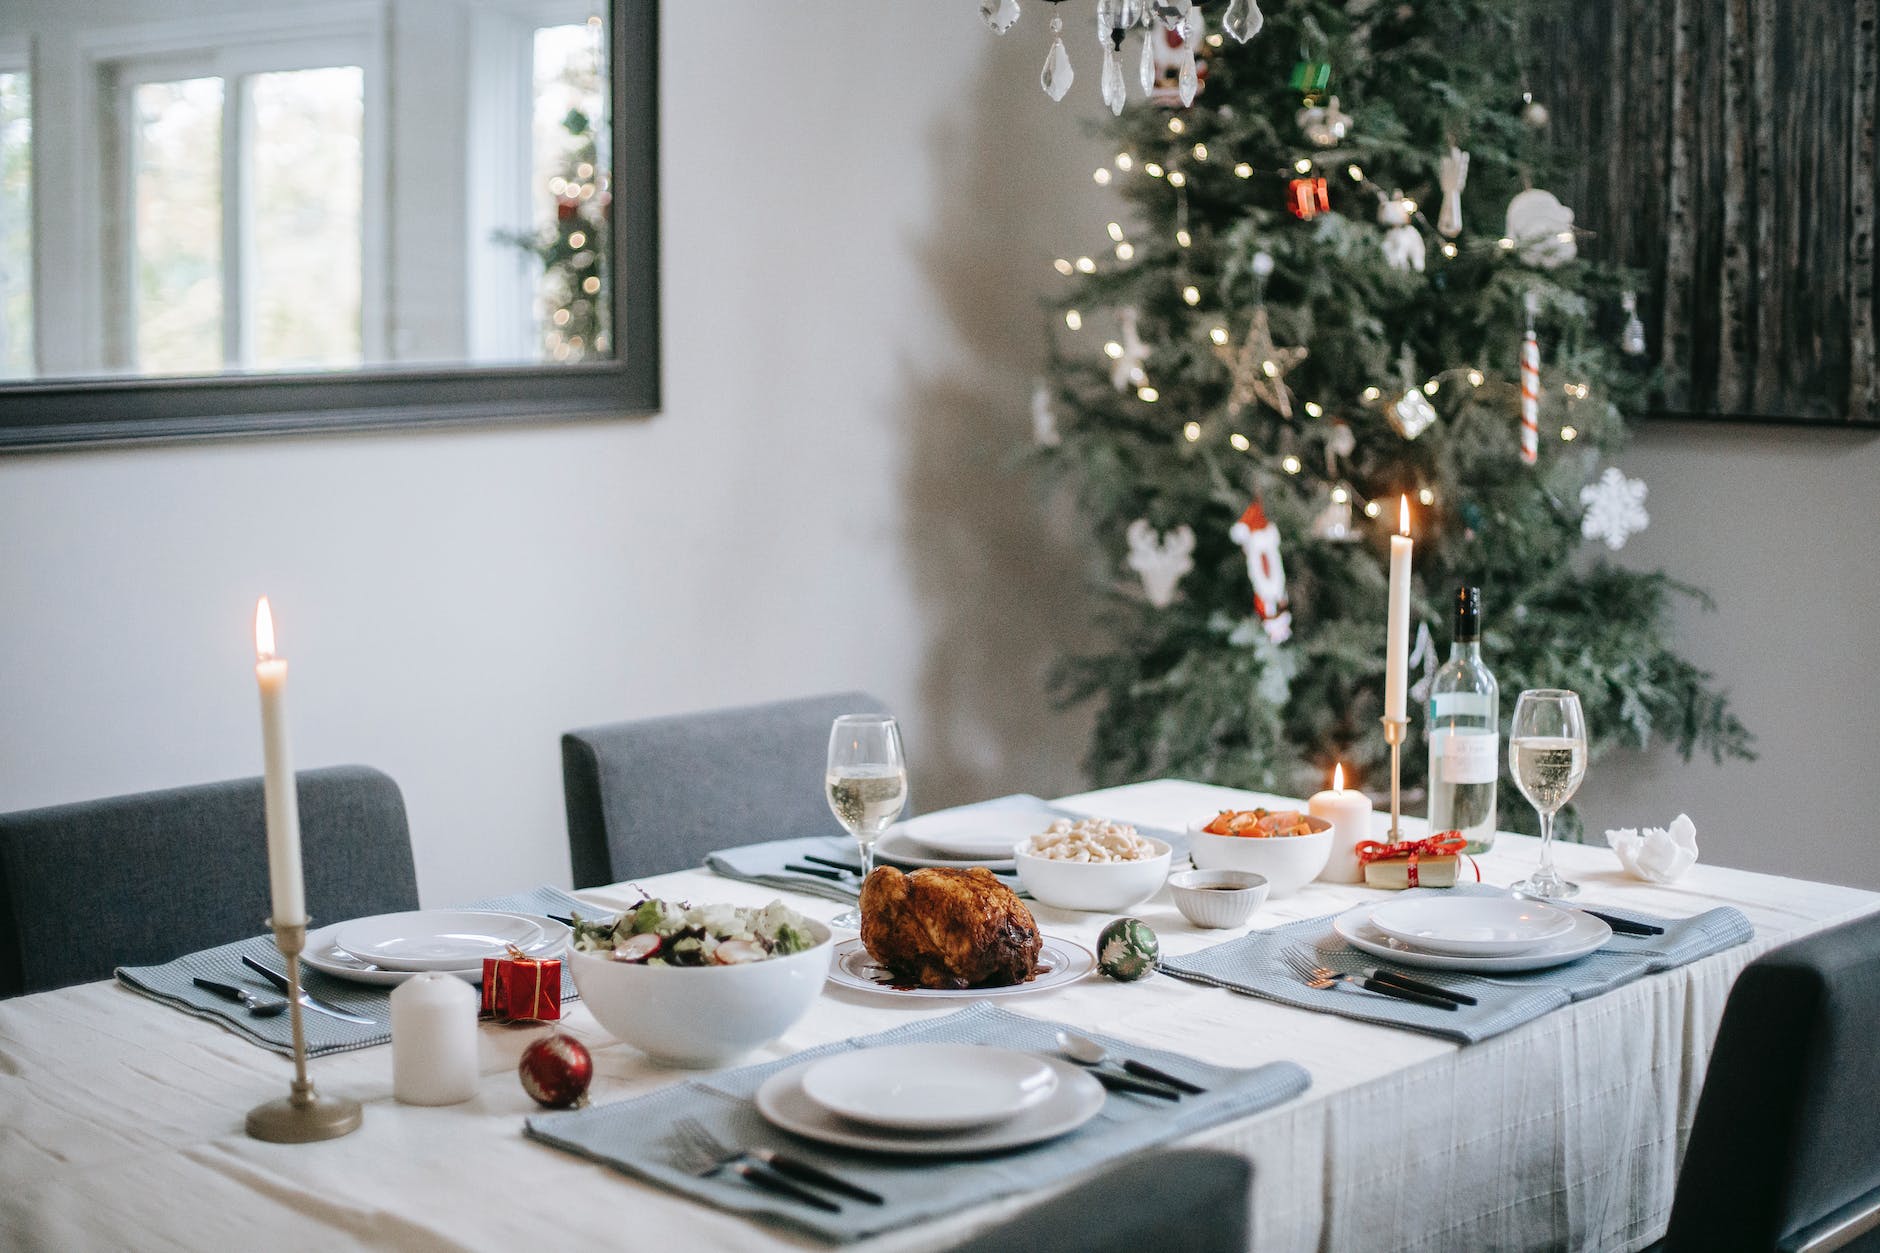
(69, 413)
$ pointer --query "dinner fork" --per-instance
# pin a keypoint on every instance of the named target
(700, 1153)
(1324, 978)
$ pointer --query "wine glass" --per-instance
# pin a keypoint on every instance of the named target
(1547, 756)
(866, 785)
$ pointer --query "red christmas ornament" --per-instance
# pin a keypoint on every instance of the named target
(556, 1071)
(1308, 197)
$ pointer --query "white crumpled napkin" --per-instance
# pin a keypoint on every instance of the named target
(1658, 855)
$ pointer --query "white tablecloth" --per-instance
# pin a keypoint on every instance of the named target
(120, 1119)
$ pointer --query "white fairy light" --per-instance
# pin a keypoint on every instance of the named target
(1200, 151)
(1218, 335)
(1506, 244)
(1191, 294)
(1176, 126)
(1191, 431)
(1177, 179)
(1152, 169)
(1116, 231)
(1113, 350)
(1303, 165)
(1314, 409)
(1449, 250)
(1063, 267)
(1372, 509)
(1356, 171)
(1239, 442)
(1371, 394)
(1086, 266)
(1569, 434)
(1243, 170)
(1147, 394)
(1475, 378)
(1290, 464)
(1426, 496)
(1183, 239)
(1125, 250)
(1270, 369)
(1124, 161)
(1101, 176)
(1340, 495)
(1432, 387)
(1074, 319)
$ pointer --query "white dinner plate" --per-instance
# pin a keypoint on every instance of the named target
(326, 956)
(1059, 962)
(929, 1087)
(1075, 1100)
(1355, 928)
(435, 939)
(897, 848)
(1471, 926)
(978, 831)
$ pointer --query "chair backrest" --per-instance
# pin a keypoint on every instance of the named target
(136, 880)
(1786, 1131)
(1199, 1204)
(657, 795)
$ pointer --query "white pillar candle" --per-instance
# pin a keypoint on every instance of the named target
(280, 797)
(1397, 633)
(1350, 815)
(434, 1040)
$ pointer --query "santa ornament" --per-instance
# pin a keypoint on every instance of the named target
(1259, 539)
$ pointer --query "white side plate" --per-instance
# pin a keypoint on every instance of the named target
(1588, 933)
(435, 939)
(323, 955)
(1471, 926)
(1075, 1101)
(929, 1087)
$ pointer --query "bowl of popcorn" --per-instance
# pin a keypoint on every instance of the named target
(1288, 847)
(1091, 864)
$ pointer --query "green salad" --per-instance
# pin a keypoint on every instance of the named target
(675, 933)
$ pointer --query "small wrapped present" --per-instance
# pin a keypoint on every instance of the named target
(520, 988)
(1433, 862)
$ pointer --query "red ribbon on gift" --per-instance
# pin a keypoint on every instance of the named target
(1448, 844)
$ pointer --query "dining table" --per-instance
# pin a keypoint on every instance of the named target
(121, 1119)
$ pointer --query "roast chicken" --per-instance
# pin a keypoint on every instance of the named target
(946, 928)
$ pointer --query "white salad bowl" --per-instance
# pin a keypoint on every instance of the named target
(1289, 862)
(1095, 886)
(701, 1015)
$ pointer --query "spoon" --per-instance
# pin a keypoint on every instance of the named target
(1087, 1052)
(256, 1006)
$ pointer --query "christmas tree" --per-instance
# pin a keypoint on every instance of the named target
(1292, 329)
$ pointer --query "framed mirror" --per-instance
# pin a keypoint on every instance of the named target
(234, 217)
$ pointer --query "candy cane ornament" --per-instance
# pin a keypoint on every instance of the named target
(1530, 391)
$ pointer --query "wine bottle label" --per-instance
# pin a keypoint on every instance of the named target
(1469, 756)
(1460, 705)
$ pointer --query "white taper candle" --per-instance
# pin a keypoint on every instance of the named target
(282, 803)
(1397, 627)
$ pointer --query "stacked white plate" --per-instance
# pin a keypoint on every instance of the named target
(931, 1099)
(390, 948)
(1480, 933)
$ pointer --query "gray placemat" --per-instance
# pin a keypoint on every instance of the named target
(1253, 964)
(636, 1136)
(764, 864)
(171, 984)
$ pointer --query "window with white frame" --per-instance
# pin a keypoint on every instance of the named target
(16, 215)
(239, 182)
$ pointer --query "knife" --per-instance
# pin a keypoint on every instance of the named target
(1624, 926)
(1116, 1082)
(280, 981)
(1384, 975)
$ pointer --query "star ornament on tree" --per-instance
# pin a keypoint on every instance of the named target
(1258, 369)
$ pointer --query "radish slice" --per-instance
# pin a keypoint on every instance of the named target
(737, 952)
(637, 948)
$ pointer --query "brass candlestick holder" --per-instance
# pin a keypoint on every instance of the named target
(1394, 731)
(303, 1115)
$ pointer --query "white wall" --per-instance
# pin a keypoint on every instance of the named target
(1778, 524)
(858, 222)
(859, 217)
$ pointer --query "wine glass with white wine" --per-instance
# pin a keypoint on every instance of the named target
(866, 785)
(1547, 756)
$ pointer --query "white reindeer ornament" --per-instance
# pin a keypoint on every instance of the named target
(1160, 560)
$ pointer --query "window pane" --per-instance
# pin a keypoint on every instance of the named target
(177, 189)
(307, 180)
(16, 226)
(571, 169)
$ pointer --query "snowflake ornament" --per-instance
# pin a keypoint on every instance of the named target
(1615, 508)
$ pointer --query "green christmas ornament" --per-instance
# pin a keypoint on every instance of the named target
(1311, 78)
(1127, 950)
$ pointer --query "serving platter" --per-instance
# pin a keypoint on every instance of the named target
(1075, 1100)
(1059, 962)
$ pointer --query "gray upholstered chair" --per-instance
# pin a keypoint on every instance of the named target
(1785, 1148)
(1199, 1203)
(135, 880)
(657, 795)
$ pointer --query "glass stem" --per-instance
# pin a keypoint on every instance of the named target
(868, 856)
(1546, 871)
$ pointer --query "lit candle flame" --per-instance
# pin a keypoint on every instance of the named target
(1338, 777)
(264, 630)
(1403, 515)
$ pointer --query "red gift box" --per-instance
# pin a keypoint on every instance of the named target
(517, 988)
